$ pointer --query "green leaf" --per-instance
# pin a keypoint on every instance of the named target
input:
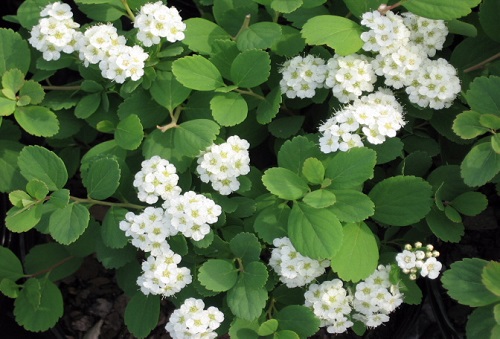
(286, 6)
(108, 11)
(467, 125)
(286, 334)
(440, 9)
(10, 179)
(48, 311)
(244, 329)
(9, 288)
(315, 233)
(37, 189)
(245, 246)
(480, 323)
(284, 183)
(293, 153)
(37, 120)
(490, 121)
(269, 108)
(495, 143)
(193, 136)
(401, 200)
(268, 327)
(91, 86)
(464, 284)
(358, 8)
(271, 222)
(20, 199)
(286, 127)
(470, 203)
(168, 92)
(28, 12)
(60, 198)
(14, 52)
(218, 275)
(115, 257)
(229, 109)
(51, 258)
(482, 95)
(336, 32)
(387, 151)
(201, 34)
(7, 106)
(357, 258)
(298, 318)
(461, 28)
(351, 169)
(34, 91)
(197, 72)
(129, 133)
(12, 81)
(488, 20)
(68, 223)
(491, 277)
(452, 214)
(290, 44)
(251, 68)
(21, 220)
(320, 198)
(444, 228)
(230, 14)
(411, 291)
(313, 170)
(255, 274)
(261, 35)
(88, 105)
(102, 178)
(480, 165)
(10, 265)
(141, 104)
(142, 314)
(246, 301)
(112, 235)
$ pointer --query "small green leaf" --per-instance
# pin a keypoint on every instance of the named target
(129, 133)
(218, 275)
(10, 265)
(401, 200)
(21, 220)
(320, 198)
(251, 68)
(37, 189)
(255, 274)
(290, 44)
(201, 34)
(142, 314)
(60, 198)
(7, 106)
(261, 35)
(357, 258)
(88, 105)
(168, 92)
(49, 310)
(284, 183)
(20, 199)
(286, 6)
(461, 28)
(358, 8)
(336, 32)
(12, 80)
(37, 120)
(299, 319)
(351, 169)
(102, 178)
(482, 95)
(440, 9)
(268, 327)
(9, 288)
(293, 153)
(112, 235)
(244, 329)
(269, 108)
(491, 277)
(480, 165)
(315, 233)
(464, 284)
(193, 136)
(271, 222)
(229, 109)
(313, 170)
(33, 90)
(490, 121)
(467, 125)
(444, 228)
(68, 223)
(197, 72)
(452, 214)
(14, 51)
(245, 246)
(470, 203)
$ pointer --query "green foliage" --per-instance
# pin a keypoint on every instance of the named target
(348, 170)
(10, 266)
(284, 183)
(441, 9)
(261, 35)
(229, 109)
(53, 259)
(67, 224)
(197, 72)
(142, 314)
(299, 319)
(36, 162)
(14, 52)
(102, 178)
(218, 275)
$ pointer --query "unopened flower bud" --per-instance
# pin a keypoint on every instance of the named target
(418, 244)
(406, 271)
(408, 247)
(430, 247)
(413, 276)
(435, 253)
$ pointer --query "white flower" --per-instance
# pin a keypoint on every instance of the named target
(431, 268)
(406, 259)
(429, 35)
(156, 21)
(302, 75)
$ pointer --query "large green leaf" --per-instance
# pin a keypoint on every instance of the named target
(197, 72)
(357, 258)
(481, 322)
(51, 258)
(293, 153)
(201, 33)
(193, 136)
(491, 277)
(269, 108)
(464, 284)
(261, 35)
(245, 246)
(88, 105)
(14, 51)
(10, 265)
(230, 14)
(284, 183)
(36, 162)
(112, 235)
(480, 165)
(352, 205)
(336, 32)
(102, 178)
(68, 223)
(298, 318)
(129, 132)
(440, 9)
(147, 109)
(351, 169)
(10, 179)
(286, 6)
(467, 125)
(482, 95)
(487, 18)
(470, 203)
(358, 7)
(168, 92)
(47, 311)
(37, 120)
(229, 109)
(142, 314)
(245, 300)
(271, 222)
(401, 200)
(251, 68)
(443, 227)
(23, 219)
(218, 275)
(315, 233)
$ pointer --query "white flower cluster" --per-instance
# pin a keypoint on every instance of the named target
(331, 303)
(221, 165)
(403, 44)
(419, 260)
(188, 213)
(55, 31)
(375, 298)
(302, 75)
(192, 321)
(156, 21)
(293, 268)
(376, 116)
(350, 76)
